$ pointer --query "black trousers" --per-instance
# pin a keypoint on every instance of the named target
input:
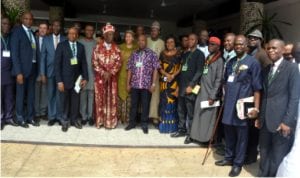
(273, 148)
(253, 138)
(185, 113)
(68, 107)
(139, 96)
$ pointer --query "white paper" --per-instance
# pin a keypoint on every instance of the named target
(230, 78)
(77, 84)
(240, 106)
(205, 104)
(6, 53)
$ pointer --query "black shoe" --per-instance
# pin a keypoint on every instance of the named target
(91, 122)
(156, 125)
(23, 124)
(64, 127)
(51, 122)
(34, 123)
(11, 122)
(129, 127)
(188, 140)
(145, 130)
(235, 171)
(84, 122)
(78, 125)
(2, 125)
(178, 134)
(223, 163)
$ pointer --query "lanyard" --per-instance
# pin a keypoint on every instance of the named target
(188, 58)
(5, 42)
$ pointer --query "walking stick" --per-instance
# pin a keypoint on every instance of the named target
(213, 135)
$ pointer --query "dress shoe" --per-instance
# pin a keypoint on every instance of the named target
(78, 125)
(51, 122)
(178, 134)
(34, 123)
(188, 140)
(223, 163)
(2, 125)
(11, 122)
(23, 124)
(145, 130)
(235, 171)
(84, 122)
(91, 122)
(64, 127)
(129, 127)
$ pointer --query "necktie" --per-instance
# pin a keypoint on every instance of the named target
(41, 42)
(29, 35)
(271, 75)
(55, 41)
(73, 49)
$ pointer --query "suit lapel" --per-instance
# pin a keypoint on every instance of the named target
(279, 71)
(25, 33)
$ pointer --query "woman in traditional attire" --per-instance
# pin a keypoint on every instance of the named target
(170, 68)
(124, 100)
(106, 62)
(204, 118)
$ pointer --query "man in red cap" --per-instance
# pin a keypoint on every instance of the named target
(106, 61)
(211, 82)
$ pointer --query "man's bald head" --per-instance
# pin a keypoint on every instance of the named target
(27, 19)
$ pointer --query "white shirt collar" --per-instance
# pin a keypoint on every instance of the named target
(25, 28)
(231, 54)
(56, 35)
(107, 46)
(278, 62)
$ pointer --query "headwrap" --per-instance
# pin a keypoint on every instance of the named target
(108, 28)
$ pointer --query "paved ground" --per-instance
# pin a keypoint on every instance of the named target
(46, 151)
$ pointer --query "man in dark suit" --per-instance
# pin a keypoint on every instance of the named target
(40, 87)
(279, 109)
(24, 58)
(47, 69)
(70, 63)
(7, 80)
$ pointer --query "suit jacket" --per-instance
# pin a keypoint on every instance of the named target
(6, 65)
(21, 52)
(48, 56)
(64, 71)
(280, 98)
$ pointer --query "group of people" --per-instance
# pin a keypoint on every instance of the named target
(181, 90)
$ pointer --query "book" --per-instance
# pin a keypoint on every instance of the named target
(244, 106)
(205, 104)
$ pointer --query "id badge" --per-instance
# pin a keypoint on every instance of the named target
(230, 78)
(74, 61)
(6, 53)
(184, 68)
(138, 64)
(205, 71)
(33, 46)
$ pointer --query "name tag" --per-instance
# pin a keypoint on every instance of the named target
(205, 71)
(184, 68)
(6, 53)
(230, 78)
(74, 61)
(33, 46)
(138, 64)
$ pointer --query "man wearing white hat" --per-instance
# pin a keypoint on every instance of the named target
(157, 45)
(106, 62)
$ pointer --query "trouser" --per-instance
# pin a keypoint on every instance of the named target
(137, 96)
(7, 102)
(25, 92)
(185, 114)
(253, 138)
(69, 106)
(236, 140)
(40, 103)
(86, 104)
(52, 93)
(273, 148)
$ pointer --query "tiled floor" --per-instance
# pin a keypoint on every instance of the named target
(93, 152)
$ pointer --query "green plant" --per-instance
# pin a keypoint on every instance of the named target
(268, 26)
(13, 9)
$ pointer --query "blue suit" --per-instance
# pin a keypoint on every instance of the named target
(24, 58)
(47, 68)
(244, 84)
(7, 82)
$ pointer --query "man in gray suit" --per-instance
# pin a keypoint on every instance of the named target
(278, 117)
(47, 68)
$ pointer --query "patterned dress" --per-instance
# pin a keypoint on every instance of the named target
(168, 99)
(123, 95)
(106, 60)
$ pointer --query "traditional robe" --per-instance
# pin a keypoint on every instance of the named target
(106, 59)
